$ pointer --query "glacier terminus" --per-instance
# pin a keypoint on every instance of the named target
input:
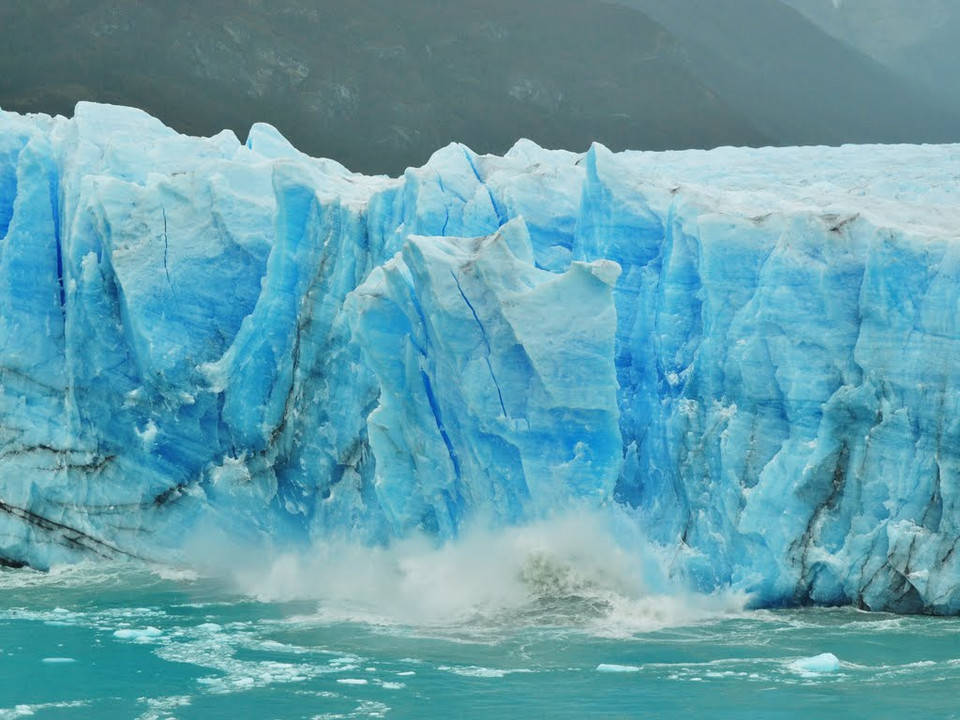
(754, 352)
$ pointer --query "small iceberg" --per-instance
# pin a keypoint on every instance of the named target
(611, 668)
(818, 664)
(140, 635)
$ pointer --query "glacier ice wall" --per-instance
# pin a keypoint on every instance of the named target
(755, 351)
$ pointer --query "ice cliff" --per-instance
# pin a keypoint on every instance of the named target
(755, 351)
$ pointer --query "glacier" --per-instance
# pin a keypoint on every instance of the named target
(753, 352)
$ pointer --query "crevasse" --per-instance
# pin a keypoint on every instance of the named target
(754, 350)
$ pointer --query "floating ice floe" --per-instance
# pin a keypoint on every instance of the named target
(138, 634)
(817, 665)
(613, 668)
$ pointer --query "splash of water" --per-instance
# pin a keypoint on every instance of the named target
(586, 569)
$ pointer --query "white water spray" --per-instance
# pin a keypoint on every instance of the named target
(587, 569)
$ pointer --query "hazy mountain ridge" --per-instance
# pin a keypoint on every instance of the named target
(796, 83)
(916, 38)
(379, 85)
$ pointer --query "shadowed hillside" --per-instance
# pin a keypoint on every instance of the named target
(916, 38)
(376, 84)
(381, 84)
(798, 84)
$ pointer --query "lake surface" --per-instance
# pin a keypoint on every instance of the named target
(123, 642)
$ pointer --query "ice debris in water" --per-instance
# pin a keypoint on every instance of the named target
(139, 634)
(818, 664)
(206, 343)
(614, 668)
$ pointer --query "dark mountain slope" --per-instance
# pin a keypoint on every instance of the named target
(380, 84)
(376, 84)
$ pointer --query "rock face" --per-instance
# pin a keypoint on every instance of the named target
(754, 350)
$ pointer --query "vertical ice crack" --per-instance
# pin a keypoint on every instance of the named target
(446, 207)
(446, 221)
(501, 215)
(61, 285)
(57, 239)
(166, 246)
(438, 418)
(486, 341)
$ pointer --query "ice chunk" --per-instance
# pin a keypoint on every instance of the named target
(818, 664)
(138, 634)
(614, 668)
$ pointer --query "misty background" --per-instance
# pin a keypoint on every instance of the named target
(380, 84)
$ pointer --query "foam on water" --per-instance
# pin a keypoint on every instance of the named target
(72, 575)
(163, 708)
(574, 616)
(24, 710)
(225, 656)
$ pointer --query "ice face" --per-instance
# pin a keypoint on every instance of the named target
(489, 397)
(753, 350)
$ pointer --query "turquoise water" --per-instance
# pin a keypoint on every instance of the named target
(120, 642)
